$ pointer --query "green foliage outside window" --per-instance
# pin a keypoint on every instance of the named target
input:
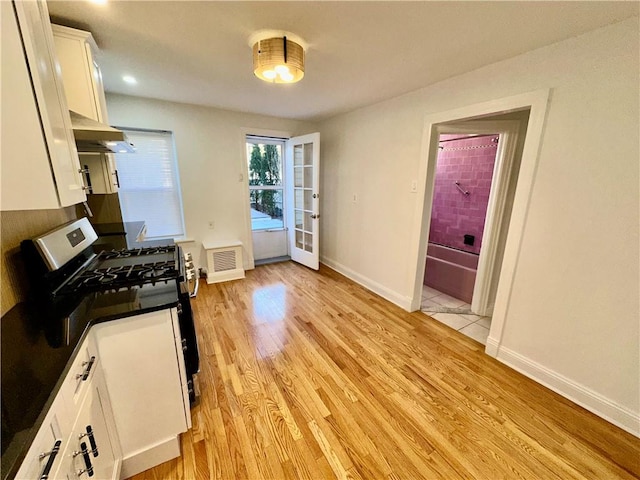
(264, 169)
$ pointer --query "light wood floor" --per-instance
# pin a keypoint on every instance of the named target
(308, 375)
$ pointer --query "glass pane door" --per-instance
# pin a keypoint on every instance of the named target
(304, 160)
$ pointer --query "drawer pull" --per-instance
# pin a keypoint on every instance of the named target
(92, 440)
(87, 460)
(85, 374)
(52, 456)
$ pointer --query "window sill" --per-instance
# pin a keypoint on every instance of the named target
(179, 241)
(268, 230)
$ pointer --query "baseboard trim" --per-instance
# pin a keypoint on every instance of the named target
(492, 347)
(225, 276)
(394, 297)
(140, 461)
(583, 396)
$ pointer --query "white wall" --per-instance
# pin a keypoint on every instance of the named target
(573, 316)
(211, 159)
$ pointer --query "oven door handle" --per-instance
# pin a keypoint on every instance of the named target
(195, 289)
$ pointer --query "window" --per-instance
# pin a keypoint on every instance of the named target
(266, 182)
(149, 184)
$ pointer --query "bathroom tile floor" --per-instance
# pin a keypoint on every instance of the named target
(455, 313)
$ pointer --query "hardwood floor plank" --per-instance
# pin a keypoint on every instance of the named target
(247, 452)
(328, 449)
(307, 375)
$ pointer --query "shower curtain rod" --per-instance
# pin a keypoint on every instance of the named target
(470, 147)
(468, 137)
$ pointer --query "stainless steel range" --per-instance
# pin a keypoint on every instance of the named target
(65, 272)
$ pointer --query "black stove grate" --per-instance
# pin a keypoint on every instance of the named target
(136, 252)
(119, 277)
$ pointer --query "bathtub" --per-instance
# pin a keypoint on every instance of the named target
(451, 271)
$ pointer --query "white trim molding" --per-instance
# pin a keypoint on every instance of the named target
(574, 391)
(401, 301)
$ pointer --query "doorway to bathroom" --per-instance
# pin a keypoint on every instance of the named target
(476, 168)
(464, 171)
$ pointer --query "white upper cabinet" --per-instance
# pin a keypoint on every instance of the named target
(76, 51)
(39, 165)
(81, 75)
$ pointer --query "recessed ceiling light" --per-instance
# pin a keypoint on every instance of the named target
(129, 79)
(100, 2)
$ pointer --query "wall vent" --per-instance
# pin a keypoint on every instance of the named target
(224, 261)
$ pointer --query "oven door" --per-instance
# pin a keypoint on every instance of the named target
(188, 332)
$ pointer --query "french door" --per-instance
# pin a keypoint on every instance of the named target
(303, 198)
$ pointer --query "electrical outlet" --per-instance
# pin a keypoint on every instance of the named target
(211, 224)
(355, 198)
(414, 186)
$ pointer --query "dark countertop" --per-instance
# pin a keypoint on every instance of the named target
(119, 228)
(39, 342)
(116, 236)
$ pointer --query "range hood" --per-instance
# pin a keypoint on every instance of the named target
(95, 137)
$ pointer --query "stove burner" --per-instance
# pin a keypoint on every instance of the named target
(107, 278)
(153, 272)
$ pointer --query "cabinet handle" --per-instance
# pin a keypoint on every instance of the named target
(86, 372)
(87, 460)
(84, 375)
(92, 440)
(52, 456)
(87, 176)
(115, 172)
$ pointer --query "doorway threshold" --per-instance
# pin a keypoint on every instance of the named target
(266, 261)
(455, 314)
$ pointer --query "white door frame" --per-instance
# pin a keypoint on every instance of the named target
(481, 303)
(537, 102)
(249, 261)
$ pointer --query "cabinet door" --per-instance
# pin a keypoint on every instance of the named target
(101, 175)
(26, 174)
(81, 75)
(45, 454)
(93, 449)
(140, 361)
(37, 39)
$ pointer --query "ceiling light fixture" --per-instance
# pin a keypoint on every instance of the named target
(129, 79)
(278, 60)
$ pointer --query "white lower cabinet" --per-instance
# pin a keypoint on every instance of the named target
(80, 414)
(93, 450)
(147, 386)
(122, 406)
(44, 455)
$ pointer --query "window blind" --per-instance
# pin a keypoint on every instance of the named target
(149, 184)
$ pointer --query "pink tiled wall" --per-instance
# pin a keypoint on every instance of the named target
(453, 214)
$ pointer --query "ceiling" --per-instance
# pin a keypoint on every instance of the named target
(358, 53)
